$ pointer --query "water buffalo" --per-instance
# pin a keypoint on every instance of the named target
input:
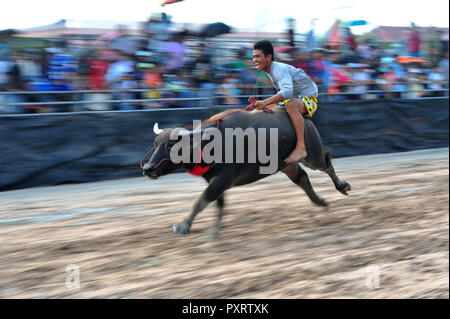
(222, 175)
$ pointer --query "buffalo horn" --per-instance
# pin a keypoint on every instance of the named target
(156, 129)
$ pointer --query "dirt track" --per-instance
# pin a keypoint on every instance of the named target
(274, 243)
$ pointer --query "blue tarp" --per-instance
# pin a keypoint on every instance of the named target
(52, 149)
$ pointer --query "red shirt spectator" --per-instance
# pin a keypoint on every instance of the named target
(414, 41)
(96, 77)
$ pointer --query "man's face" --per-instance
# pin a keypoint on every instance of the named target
(261, 62)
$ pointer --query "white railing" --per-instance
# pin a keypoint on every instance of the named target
(210, 97)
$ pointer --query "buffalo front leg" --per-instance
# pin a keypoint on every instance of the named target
(217, 226)
(298, 175)
(213, 192)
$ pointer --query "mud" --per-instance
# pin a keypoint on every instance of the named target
(387, 239)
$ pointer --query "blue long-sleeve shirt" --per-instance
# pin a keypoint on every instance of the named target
(290, 81)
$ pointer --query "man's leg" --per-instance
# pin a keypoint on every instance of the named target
(295, 108)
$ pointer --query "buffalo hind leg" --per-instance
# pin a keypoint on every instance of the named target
(341, 185)
(300, 177)
(213, 192)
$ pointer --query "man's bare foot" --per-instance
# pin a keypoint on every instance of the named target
(296, 156)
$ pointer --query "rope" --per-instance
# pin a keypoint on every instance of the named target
(198, 169)
(142, 159)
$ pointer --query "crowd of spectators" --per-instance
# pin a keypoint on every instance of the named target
(166, 64)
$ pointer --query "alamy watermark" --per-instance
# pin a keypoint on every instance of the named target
(234, 139)
(373, 276)
(73, 279)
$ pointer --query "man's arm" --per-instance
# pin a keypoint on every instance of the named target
(285, 82)
(271, 100)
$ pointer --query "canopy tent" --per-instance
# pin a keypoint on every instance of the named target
(355, 23)
(334, 34)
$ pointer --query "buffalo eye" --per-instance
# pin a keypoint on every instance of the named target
(171, 143)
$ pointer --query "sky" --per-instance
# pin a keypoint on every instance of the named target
(250, 15)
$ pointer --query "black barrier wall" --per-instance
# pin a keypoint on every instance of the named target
(52, 149)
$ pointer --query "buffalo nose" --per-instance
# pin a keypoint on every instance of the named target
(148, 166)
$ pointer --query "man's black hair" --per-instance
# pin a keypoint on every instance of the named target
(265, 46)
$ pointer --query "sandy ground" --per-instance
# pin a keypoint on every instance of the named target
(388, 239)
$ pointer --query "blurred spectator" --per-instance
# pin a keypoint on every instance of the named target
(186, 84)
(247, 77)
(124, 88)
(436, 81)
(443, 66)
(153, 81)
(328, 66)
(122, 42)
(97, 65)
(11, 81)
(433, 45)
(228, 89)
(5, 65)
(403, 44)
(360, 78)
(444, 42)
(300, 60)
(365, 50)
(30, 70)
(414, 41)
(174, 52)
(390, 79)
(400, 75)
(14, 80)
(179, 85)
(339, 80)
(120, 76)
(157, 31)
(62, 69)
(83, 65)
(124, 64)
(202, 72)
(316, 66)
(33, 78)
(415, 83)
(291, 31)
(311, 44)
(349, 38)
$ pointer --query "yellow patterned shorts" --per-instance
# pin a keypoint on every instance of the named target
(310, 105)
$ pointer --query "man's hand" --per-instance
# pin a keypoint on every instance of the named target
(260, 105)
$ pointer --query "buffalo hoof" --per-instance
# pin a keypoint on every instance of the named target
(182, 228)
(210, 238)
(345, 189)
(215, 235)
(322, 202)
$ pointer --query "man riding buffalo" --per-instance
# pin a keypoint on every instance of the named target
(295, 88)
(243, 168)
